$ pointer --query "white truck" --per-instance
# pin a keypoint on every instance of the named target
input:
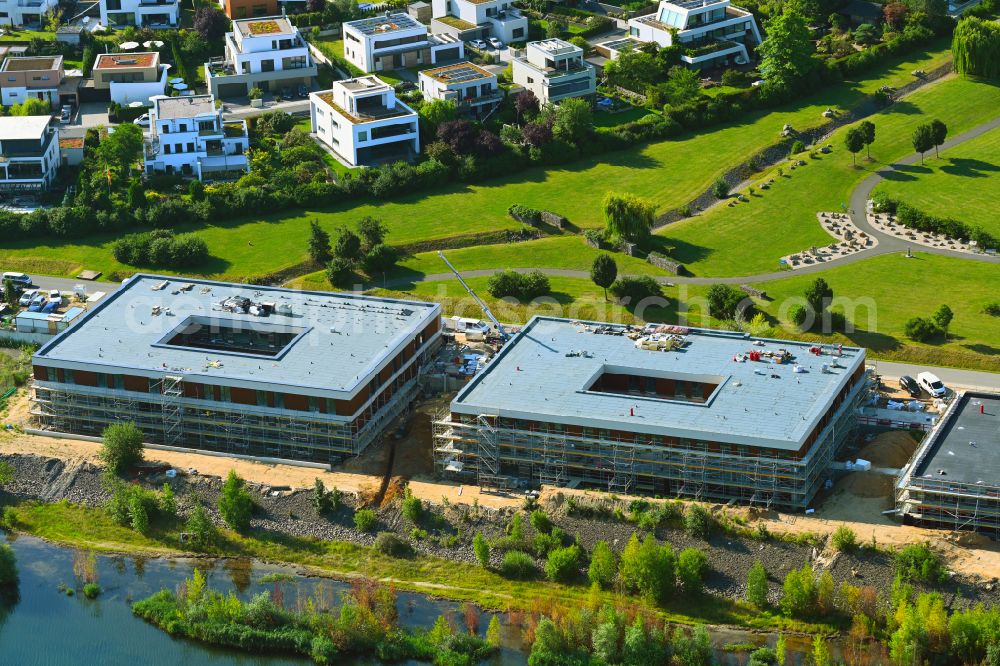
(472, 328)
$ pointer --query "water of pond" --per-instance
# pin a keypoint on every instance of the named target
(45, 627)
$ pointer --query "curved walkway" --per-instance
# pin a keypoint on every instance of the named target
(859, 201)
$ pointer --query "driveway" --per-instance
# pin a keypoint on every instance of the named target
(91, 114)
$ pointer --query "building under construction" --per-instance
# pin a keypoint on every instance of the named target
(236, 368)
(663, 409)
(953, 480)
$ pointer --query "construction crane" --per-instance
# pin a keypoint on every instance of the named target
(504, 335)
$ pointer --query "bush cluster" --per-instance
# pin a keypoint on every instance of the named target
(920, 221)
(522, 286)
(160, 248)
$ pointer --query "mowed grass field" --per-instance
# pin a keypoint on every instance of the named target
(963, 184)
(669, 173)
(749, 238)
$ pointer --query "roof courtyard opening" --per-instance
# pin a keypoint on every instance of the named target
(232, 336)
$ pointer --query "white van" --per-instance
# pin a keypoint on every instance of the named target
(17, 278)
(929, 382)
(466, 325)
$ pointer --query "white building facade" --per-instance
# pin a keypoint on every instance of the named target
(479, 20)
(716, 33)
(362, 121)
(189, 136)
(142, 13)
(470, 87)
(390, 41)
(28, 13)
(130, 77)
(554, 70)
(29, 153)
(266, 53)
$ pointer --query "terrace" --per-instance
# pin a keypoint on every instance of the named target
(366, 112)
(455, 22)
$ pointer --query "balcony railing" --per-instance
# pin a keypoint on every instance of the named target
(481, 99)
(29, 3)
(703, 48)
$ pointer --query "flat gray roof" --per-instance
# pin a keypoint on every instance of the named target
(968, 447)
(338, 340)
(542, 375)
(168, 108)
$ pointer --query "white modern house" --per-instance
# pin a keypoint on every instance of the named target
(130, 77)
(472, 88)
(29, 153)
(188, 136)
(35, 77)
(362, 121)
(554, 70)
(716, 33)
(142, 13)
(266, 53)
(389, 41)
(480, 19)
(28, 13)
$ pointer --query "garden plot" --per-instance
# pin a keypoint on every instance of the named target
(850, 240)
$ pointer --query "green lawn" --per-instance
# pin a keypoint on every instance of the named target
(963, 184)
(25, 36)
(333, 48)
(669, 173)
(749, 238)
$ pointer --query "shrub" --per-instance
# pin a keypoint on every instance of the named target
(992, 309)
(160, 247)
(235, 504)
(166, 502)
(525, 214)
(647, 568)
(635, 288)
(797, 147)
(8, 566)
(413, 508)
(757, 585)
(697, 521)
(522, 286)
(482, 549)
(798, 315)
(122, 447)
(563, 564)
(799, 598)
(518, 565)
(364, 520)
(91, 590)
(388, 543)
(691, 567)
(720, 189)
(727, 303)
(540, 521)
(200, 526)
(921, 329)
(918, 562)
(844, 539)
(340, 272)
(603, 565)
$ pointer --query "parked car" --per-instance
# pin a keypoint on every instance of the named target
(910, 385)
(478, 44)
(17, 278)
(67, 114)
(142, 121)
(496, 43)
(27, 297)
(36, 303)
(930, 383)
(50, 307)
(55, 297)
(303, 90)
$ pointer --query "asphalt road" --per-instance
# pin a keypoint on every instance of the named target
(67, 284)
(950, 376)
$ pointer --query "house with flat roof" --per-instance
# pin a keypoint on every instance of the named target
(29, 153)
(479, 19)
(35, 77)
(363, 122)
(189, 136)
(130, 77)
(241, 9)
(141, 13)
(390, 41)
(266, 53)
(661, 409)
(554, 70)
(715, 33)
(473, 89)
(27, 13)
(235, 368)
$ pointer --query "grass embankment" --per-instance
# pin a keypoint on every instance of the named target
(962, 184)
(749, 238)
(93, 529)
(668, 172)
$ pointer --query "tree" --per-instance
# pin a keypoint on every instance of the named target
(799, 592)
(720, 188)
(200, 525)
(628, 217)
(574, 120)
(854, 140)
(31, 107)
(210, 23)
(315, 6)
(372, 232)
(868, 129)
(137, 511)
(697, 521)
(975, 47)
(235, 503)
(460, 135)
(322, 501)
(536, 134)
(340, 272)
(691, 567)
(167, 502)
(603, 565)
(647, 568)
(865, 34)
(136, 198)
(818, 295)
(844, 539)
(494, 637)
(787, 52)
(942, 317)
(122, 447)
(895, 13)
(923, 140)
(526, 104)
(563, 564)
(119, 150)
(683, 86)
(319, 244)
(435, 113)
(821, 651)
(555, 28)
(379, 259)
(757, 585)
(482, 549)
(921, 329)
(348, 245)
(939, 132)
(727, 303)
(603, 272)
(10, 296)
